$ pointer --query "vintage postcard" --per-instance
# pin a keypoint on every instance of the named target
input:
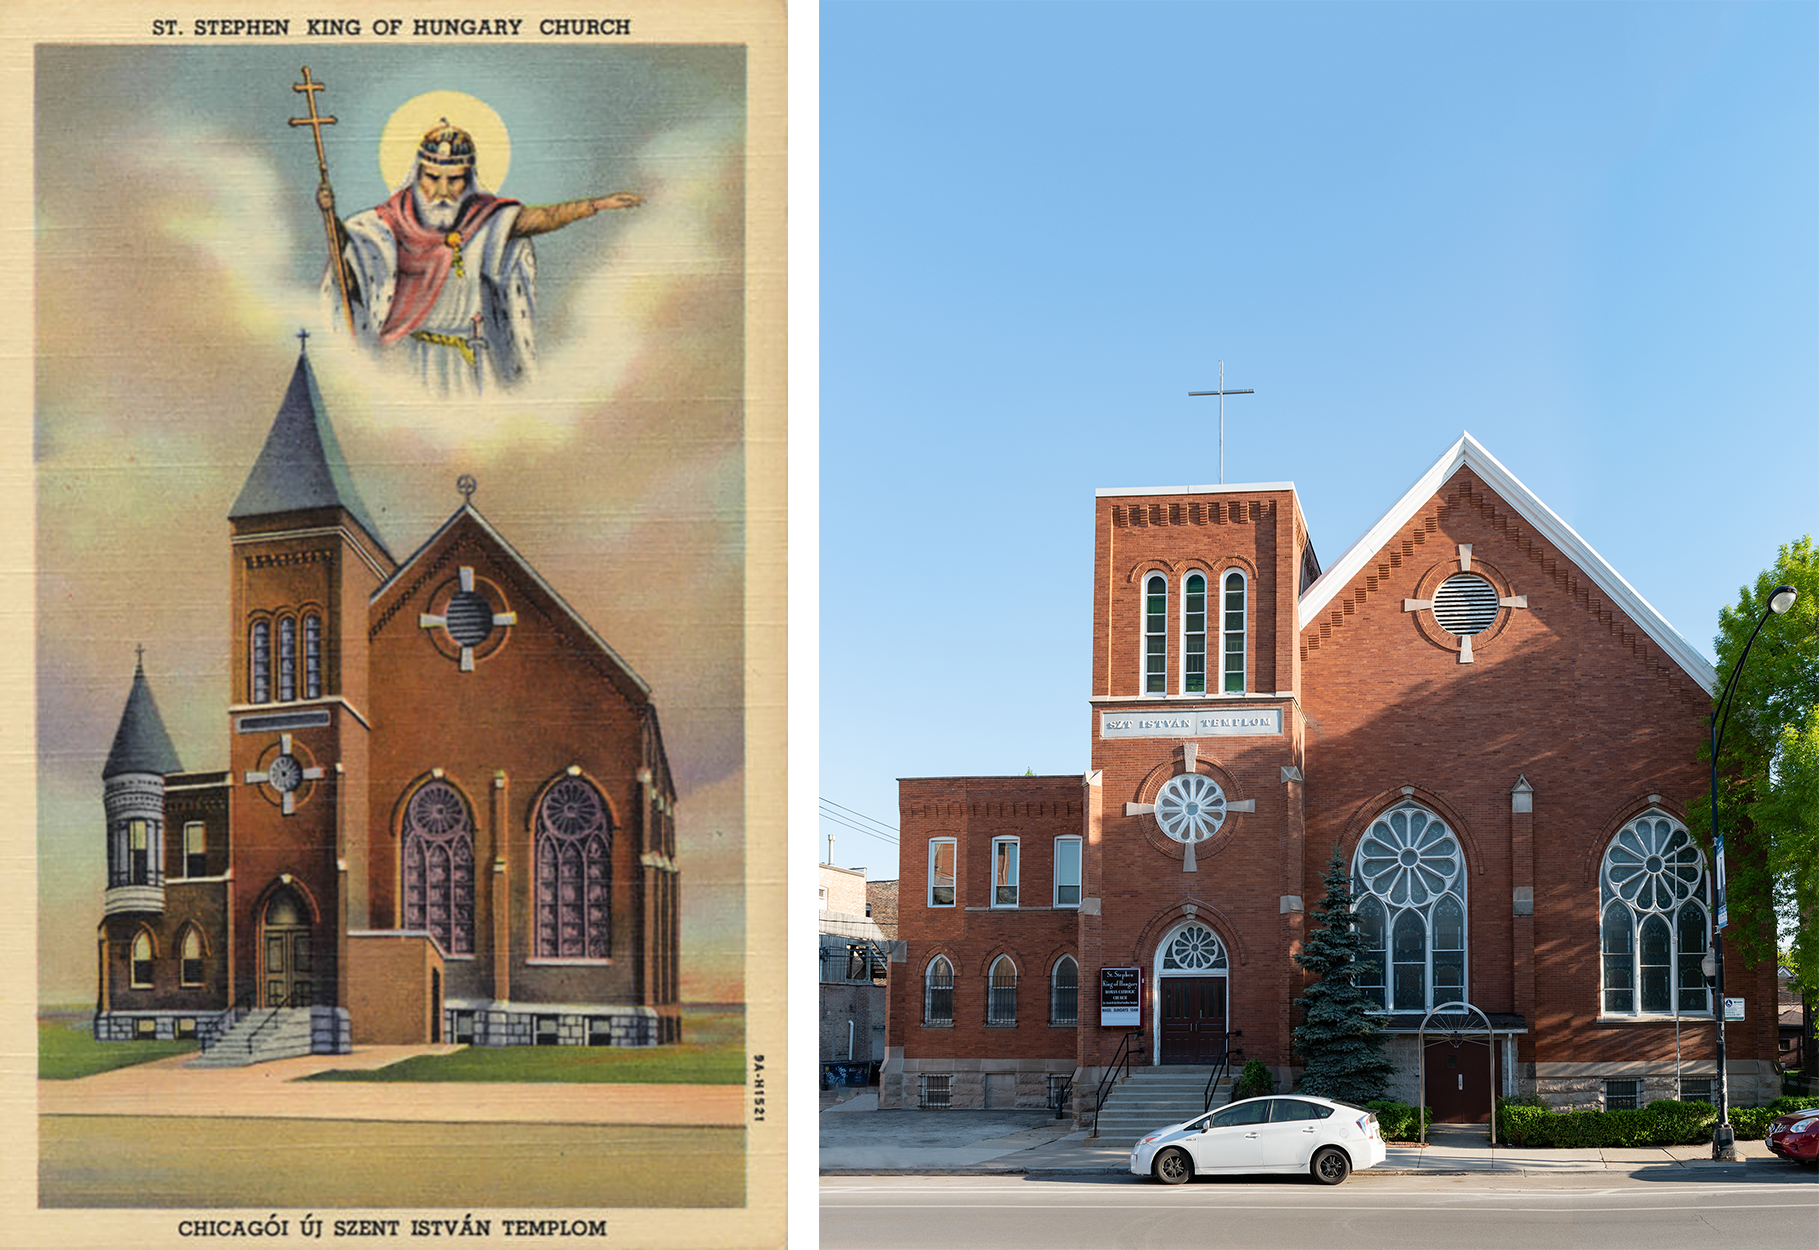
(396, 709)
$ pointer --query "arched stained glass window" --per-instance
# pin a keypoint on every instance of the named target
(287, 659)
(261, 662)
(1408, 879)
(1155, 634)
(1193, 635)
(574, 872)
(1234, 632)
(1195, 949)
(1653, 891)
(312, 656)
(439, 867)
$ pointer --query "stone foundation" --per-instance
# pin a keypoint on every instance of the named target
(1580, 1086)
(494, 1024)
(973, 1084)
(161, 1026)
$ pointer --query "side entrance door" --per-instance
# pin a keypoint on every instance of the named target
(1459, 1080)
(284, 951)
(1193, 1019)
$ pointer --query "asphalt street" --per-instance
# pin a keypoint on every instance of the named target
(1651, 1208)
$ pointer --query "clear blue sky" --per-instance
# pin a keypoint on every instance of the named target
(1584, 233)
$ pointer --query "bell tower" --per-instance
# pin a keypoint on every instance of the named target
(306, 556)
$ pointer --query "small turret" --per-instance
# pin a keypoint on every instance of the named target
(133, 791)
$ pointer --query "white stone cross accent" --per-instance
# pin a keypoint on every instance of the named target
(286, 783)
(430, 620)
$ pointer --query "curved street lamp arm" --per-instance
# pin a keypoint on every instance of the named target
(1724, 701)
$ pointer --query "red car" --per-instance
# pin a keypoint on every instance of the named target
(1796, 1136)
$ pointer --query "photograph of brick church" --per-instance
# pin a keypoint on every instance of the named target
(1494, 731)
(442, 811)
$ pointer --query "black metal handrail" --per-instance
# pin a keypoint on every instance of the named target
(226, 1020)
(1120, 1062)
(1225, 1061)
(276, 1005)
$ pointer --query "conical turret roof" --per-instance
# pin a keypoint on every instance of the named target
(301, 466)
(141, 744)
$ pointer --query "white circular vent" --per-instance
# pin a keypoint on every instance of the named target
(1465, 605)
(1190, 807)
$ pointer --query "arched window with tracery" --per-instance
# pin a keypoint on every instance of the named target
(439, 867)
(1653, 928)
(287, 659)
(1408, 879)
(574, 871)
(260, 662)
(312, 656)
(1155, 634)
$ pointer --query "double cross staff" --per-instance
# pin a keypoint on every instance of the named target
(316, 122)
(1221, 393)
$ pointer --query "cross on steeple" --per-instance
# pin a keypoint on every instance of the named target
(1222, 393)
(303, 340)
(139, 655)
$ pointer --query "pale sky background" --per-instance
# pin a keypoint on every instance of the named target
(178, 249)
(1583, 232)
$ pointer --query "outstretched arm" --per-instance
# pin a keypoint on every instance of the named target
(325, 200)
(542, 218)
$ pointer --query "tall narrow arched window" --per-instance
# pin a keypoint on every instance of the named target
(1064, 992)
(191, 956)
(312, 656)
(1193, 634)
(938, 992)
(574, 871)
(1409, 878)
(287, 659)
(1001, 993)
(1653, 892)
(142, 960)
(438, 849)
(1155, 634)
(260, 661)
(1233, 628)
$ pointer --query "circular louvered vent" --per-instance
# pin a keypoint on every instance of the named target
(470, 618)
(1465, 605)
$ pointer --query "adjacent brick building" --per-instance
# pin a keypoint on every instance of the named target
(447, 812)
(1489, 725)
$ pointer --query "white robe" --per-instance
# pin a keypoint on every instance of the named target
(500, 284)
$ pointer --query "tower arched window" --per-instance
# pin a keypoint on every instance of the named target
(938, 992)
(438, 850)
(1064, 992)
(1232, 628)
(1408, 878)
(1653, 928)
(1001, 992)
(260, 662)
(1155, 634)
(1193, 634)
(574, 871)
(312, 656)
(287, 659)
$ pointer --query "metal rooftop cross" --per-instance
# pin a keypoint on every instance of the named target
(1222, 393)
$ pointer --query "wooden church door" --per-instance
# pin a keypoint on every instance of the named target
(285, 953)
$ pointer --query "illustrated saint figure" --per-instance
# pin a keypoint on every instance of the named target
(442, 275)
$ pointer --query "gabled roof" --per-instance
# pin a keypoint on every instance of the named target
(1469, 453)
(536, 578)
(301, 466)
(141, 744)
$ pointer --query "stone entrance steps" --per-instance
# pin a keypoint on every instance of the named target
(1153, 1097)
(259, 1036)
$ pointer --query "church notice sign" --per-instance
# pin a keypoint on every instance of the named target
(1197, 722)
(1121, 998)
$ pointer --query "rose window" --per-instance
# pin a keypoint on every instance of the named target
(1408, 857)
(1195, 949)
(1652, 865)
(1190, 807)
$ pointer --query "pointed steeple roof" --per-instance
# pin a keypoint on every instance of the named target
(301, 465)
(141, 744)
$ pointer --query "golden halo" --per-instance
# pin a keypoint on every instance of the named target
(405, 128)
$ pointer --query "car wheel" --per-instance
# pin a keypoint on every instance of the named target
(1331, 1166)
(1173, 1167)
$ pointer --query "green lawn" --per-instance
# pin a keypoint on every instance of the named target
(712, 1052)
(66, 1050)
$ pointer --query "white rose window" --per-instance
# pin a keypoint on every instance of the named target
(1652, 865)
(1653, 929)
(1190, 807)
(1195, 949)
(1409, 856)
(1409, 879)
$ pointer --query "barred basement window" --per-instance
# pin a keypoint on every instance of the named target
(1465, 604)
(1064, 992)
(1001, 995)
(1155, 634)
(938, 993)
(936, 1091)
(549, 1031)
(1695, 1089)
(1193, 629)
(1622, 1095)
(186, 1026)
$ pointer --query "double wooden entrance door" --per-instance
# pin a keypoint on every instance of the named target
(284, 953)
(1193, 1019)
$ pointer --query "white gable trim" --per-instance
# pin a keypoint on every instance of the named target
(1469, 453)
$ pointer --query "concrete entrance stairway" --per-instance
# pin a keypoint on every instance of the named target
(268, 1033)
(1152, 1097)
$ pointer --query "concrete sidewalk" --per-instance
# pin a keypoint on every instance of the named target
(165, 1087)
(858, 1139)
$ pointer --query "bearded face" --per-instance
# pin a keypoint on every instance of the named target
(440, 192)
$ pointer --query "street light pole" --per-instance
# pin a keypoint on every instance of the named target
(1724, 1137)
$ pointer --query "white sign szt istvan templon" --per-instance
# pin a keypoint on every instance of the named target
(1196, 722)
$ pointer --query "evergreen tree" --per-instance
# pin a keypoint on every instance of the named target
(1338, 1039)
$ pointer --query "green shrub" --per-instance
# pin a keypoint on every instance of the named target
(1396, 1120)
(1662, 1123)
(1255, 1081)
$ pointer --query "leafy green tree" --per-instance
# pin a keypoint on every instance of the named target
(1768, 767)
(1339, 1039)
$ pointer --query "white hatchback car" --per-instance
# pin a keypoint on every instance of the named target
(1325, 1139)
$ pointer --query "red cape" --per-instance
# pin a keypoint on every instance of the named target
(424, 256)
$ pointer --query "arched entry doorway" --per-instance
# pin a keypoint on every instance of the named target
(284, 954)
(1191, 977)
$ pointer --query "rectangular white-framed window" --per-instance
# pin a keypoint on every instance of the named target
(195, 849)
(822, 897)
(1004, 872)
(1067, 872)
(943, 854)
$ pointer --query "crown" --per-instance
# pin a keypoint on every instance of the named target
(446, 148)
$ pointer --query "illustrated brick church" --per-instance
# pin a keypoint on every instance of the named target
(445, 812)
(1496, 732)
